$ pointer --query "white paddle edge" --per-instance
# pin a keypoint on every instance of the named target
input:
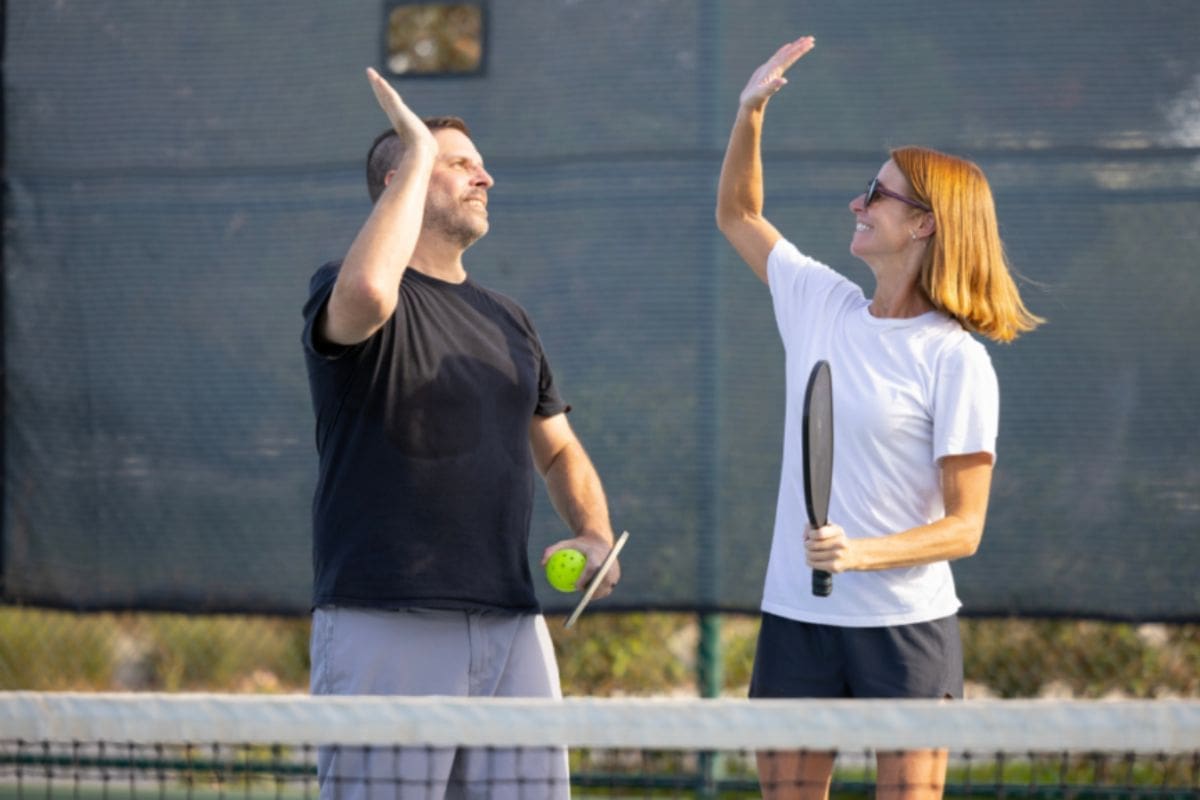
(594, 583)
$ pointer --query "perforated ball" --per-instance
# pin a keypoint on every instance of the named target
(564, 568)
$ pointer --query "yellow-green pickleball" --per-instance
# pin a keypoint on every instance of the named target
(564, 568)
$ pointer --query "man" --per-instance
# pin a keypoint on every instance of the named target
(434, 401)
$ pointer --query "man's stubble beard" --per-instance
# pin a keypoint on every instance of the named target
(454, 224)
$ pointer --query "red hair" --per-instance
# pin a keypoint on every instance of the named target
(965, 273)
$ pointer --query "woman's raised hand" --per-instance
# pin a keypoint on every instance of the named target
(768, 79)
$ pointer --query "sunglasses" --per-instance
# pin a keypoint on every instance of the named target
(875, 188)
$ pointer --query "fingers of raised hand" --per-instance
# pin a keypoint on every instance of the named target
(384, 93)
(403, 120)
(791, 52)
(769, 78)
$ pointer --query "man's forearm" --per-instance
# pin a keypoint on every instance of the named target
(577, 494)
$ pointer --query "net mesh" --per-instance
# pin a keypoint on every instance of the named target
(199, 745)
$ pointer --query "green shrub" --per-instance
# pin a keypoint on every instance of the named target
(605, 654)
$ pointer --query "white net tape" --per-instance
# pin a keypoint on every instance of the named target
(1153, 726)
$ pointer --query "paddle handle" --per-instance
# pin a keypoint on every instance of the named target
(822, 583)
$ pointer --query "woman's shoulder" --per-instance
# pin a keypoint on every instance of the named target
(791, 271)
(785, 255)
(962, 353)
(944, 344)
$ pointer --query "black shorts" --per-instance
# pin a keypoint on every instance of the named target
(801, 659)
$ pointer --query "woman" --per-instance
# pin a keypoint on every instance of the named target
(915, 420)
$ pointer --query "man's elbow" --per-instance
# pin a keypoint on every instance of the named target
(543, 465)
(368, 304)
(547, 456)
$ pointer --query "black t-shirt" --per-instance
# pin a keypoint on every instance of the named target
(425, 488)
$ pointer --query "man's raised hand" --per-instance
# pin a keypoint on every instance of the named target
(408, 126)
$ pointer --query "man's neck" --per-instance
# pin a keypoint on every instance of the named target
(443, 263)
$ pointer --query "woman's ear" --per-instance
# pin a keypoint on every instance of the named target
(926, 227)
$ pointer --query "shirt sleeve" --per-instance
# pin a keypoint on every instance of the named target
(966, 415)
(550, 402)
(800, 287)
(320, 288)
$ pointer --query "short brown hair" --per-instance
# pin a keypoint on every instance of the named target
(387, 149)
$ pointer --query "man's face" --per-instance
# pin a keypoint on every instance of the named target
(456, 204)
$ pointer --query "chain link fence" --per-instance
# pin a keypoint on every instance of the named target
(163, 214)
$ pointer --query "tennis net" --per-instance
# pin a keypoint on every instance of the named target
(199, 745)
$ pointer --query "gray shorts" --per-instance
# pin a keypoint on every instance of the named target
(801, 659)
(434, 652)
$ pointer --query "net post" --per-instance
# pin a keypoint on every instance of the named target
(708, 664)
(709, 676)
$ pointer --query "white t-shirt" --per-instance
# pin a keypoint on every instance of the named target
(906, 392)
